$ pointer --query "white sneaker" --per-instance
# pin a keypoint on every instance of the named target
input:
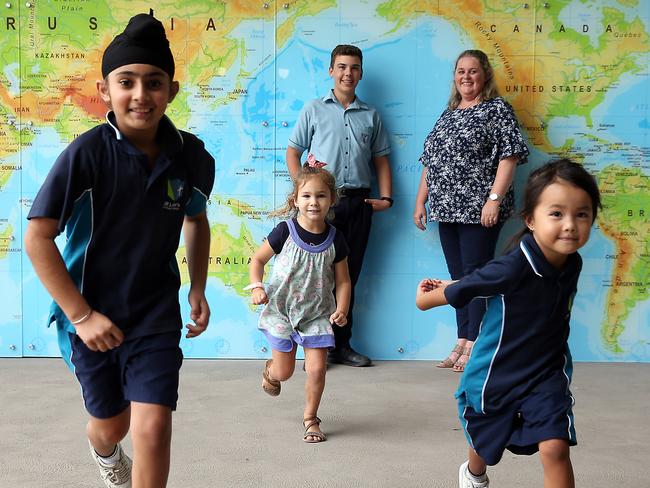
(119, 474)
(464, 481)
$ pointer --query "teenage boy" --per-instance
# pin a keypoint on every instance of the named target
(122, 192)
(349, 136)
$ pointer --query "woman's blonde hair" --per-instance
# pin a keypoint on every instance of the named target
(305, 173)
(489, 88)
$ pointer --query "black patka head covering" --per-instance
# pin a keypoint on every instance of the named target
(142, 42)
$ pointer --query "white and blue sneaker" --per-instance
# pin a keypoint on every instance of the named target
(468, 480)
(117, 475)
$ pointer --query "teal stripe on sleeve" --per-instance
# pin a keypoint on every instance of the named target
(63, 338)
(79, 231)
(197, 203)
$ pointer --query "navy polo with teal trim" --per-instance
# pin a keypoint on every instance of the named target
(522, 342)
(123, 219)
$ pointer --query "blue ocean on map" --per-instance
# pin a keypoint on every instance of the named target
(626, 111)
(407, 76)
(264, 130)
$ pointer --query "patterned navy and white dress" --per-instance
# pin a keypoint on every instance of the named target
(462, 154)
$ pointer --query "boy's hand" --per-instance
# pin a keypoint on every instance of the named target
(338, 318)
(200, 314)
(99, 333)
(258, 296)
(377, 204)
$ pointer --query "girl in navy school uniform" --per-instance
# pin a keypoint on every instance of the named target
(514, 392)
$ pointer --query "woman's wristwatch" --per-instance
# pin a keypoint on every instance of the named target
(495, 197)
(389, 200)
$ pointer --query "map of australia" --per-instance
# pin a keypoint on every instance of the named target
(576, 73)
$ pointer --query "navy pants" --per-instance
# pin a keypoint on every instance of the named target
(466, 248)
(352, 217)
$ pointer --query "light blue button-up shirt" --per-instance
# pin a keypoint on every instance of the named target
(345, 138)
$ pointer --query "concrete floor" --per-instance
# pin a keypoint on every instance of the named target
(392, 425)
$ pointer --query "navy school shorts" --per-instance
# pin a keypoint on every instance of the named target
(142, 369)
(538, 417)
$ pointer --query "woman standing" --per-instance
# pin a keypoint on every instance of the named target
(469, 161)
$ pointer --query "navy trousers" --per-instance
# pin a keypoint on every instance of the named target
(466, 248)
(352, 217)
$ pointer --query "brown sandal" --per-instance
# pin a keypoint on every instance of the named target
(320, 436)
(459, 365)
(269, 385)
(448, 362)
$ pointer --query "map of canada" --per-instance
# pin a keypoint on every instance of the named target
(576, 73)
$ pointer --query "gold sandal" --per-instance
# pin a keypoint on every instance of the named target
(269, 385)
(459, 365)
(320, 436)
(448, 362)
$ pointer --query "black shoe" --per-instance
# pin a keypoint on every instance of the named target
(348, 356)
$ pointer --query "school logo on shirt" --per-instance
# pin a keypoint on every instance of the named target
(174, 194)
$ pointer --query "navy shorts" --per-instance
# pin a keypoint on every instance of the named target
(143, 369)
(538, 417)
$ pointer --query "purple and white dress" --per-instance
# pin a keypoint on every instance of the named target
(301, 294)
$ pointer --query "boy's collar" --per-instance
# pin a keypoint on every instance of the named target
(165, 127)
(356, 103)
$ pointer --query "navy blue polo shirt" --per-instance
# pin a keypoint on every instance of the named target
(123, 220)
(523, 336)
